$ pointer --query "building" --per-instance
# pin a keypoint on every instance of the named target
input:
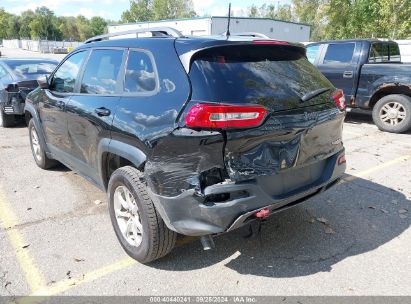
(405, 50)
(276, 29)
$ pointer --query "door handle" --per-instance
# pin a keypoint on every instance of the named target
(348, 74)
(102, 111)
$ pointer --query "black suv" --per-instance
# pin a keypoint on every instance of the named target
(197, 136)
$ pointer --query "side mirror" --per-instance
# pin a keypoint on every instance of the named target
(43, 82)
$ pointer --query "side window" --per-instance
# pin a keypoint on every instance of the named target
(375, 53)
(140, 75)
(339, 53)
(312, 52)
(395, 55)
(101, 72)
(65, 77)
(379, 53)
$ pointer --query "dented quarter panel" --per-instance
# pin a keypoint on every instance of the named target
(178, 159)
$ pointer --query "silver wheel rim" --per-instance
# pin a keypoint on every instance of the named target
(128, 216)
(393, 113)
(35, 144)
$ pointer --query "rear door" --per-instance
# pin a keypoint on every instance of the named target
(52, 107)
(91, 109)
(339, 65)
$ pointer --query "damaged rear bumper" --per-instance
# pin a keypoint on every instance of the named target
(14, 106)
(192, 214)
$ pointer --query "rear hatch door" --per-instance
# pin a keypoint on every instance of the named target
(303, 124)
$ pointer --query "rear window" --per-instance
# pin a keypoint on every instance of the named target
(140, 76)
(273, 76)
(23, 67)
(384, 52)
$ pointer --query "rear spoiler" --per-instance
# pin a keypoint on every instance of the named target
(186, 54)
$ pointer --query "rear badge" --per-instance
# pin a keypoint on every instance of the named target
(283, 164)
(311, 116)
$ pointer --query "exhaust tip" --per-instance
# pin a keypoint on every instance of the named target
(207, 242)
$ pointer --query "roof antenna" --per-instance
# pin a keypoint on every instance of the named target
(229, 20)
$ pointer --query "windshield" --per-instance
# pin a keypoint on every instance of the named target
(26, 67)
(270, 76)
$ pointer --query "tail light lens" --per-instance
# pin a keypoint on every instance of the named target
(224, 116)
(339, 99)
(341, 160)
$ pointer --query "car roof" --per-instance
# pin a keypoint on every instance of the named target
(192, 41)
(370, 40)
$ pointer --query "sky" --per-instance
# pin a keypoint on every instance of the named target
(112, 9)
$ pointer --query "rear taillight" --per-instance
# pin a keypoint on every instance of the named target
(341, 160)
(339, 99)
(224, 116)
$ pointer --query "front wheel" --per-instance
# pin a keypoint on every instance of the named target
(392, 113)
(39, 155)
(138, 226)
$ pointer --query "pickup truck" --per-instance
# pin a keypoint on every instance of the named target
(371, 74)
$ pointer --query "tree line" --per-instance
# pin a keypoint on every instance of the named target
(329, 19)
(43, 24)
(341, 19)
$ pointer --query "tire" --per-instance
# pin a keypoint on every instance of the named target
(6, 121)
(392, 113)
(37, 148)
(151, 239)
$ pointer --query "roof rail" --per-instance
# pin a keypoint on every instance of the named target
(248, 34)
(156, 32)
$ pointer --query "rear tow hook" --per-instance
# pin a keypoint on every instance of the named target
(255, 226)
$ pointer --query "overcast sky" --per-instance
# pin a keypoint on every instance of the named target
(112, 9)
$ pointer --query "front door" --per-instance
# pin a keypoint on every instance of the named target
(92, 108)
(52, 107)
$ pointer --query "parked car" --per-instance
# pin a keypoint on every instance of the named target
(18, 77)
(372, 76)
(197, 136)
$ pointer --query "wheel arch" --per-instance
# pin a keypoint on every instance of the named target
(31, 113)
(115, 154)
(389, 89)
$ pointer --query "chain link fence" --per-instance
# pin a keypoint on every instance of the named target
(41, 46)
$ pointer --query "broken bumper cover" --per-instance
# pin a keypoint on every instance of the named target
(191, 214)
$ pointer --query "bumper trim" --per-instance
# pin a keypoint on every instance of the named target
(277, 207)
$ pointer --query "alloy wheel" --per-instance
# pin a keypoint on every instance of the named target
(128, 216)
(35, 144)
(393, 113)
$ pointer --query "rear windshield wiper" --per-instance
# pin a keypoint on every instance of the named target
(312, 94)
